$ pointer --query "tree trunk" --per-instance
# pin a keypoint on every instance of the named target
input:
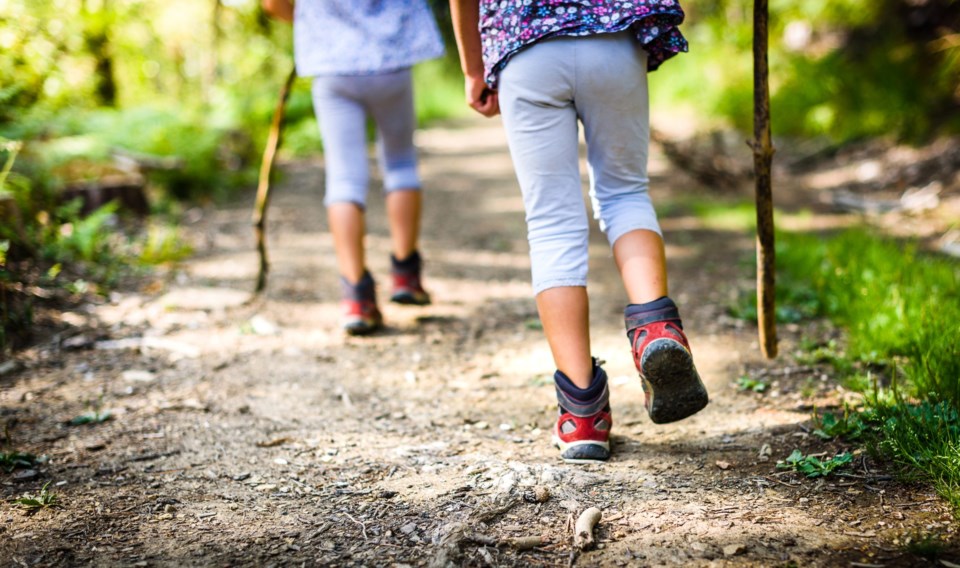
(97, 42)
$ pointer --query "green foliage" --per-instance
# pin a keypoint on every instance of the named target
(928, 546)
(46, 236)
(533, 324)
(438, 90)
(898, 305)
(812, 353)
(836, 68)
(96, 415)
(899, 308)
(163, 245)
(924, 439)
(33, 503)
(751, 384)
(11, 460)
(793, 304)
(812, 466)
(849, 426)
(83, 238)
(92, 417)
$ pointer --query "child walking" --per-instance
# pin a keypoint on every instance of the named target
(545, 64)
(359, 53)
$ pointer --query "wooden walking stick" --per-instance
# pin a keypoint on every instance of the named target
(762, 156)
(263, 186)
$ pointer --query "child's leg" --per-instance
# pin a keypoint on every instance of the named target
(612, 102)
(403, 213)
(536, 100)
(347, 227)
(643, 265)
(564, 313)
(390, 99)
(342, 121)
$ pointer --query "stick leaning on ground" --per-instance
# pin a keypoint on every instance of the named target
(762, 157)
(263, 186)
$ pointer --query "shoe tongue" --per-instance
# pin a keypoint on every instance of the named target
(362, 291)
(583, 402)
(411, 264)
(638, 315)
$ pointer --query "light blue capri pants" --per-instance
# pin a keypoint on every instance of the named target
(342, 104)
(602, 81)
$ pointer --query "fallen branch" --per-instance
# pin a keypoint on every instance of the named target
(583, 529)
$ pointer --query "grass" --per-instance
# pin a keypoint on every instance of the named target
(899, 308)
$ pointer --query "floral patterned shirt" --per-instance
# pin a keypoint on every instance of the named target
(361, 37)
(507, 26)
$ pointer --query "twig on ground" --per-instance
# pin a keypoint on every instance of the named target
(524, 542)
(363, 527)
(583, 529)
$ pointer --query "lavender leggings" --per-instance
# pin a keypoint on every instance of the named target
(602, 81)
(342, 104)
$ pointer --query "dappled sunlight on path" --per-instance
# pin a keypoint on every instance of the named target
(258, 434)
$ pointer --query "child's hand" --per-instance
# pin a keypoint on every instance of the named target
(480, 97)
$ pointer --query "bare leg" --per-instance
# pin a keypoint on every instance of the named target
(347, 227)
(643, 265)
(564, 312)
(403, 212)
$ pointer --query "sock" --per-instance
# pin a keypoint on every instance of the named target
(409, 264)
(661, 309)
(590, 396)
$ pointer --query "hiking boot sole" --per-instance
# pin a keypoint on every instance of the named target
(670, 379)
(583, 452)
(410, 299)
(361, 328)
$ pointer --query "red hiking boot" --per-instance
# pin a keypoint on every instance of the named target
(359, 306)
(582, 432)
(669, 378)
(407, 286)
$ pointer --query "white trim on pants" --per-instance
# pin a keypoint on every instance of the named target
(544, 89)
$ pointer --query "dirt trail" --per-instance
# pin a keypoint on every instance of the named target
(260, 435)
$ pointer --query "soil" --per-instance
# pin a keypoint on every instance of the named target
(245, 431)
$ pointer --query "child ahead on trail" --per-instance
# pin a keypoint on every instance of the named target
(359, 53)
(545, 64)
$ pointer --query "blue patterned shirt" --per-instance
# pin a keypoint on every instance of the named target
(361, 37)
(507, 26)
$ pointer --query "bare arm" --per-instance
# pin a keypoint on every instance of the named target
(466, 27)
(279, 9)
